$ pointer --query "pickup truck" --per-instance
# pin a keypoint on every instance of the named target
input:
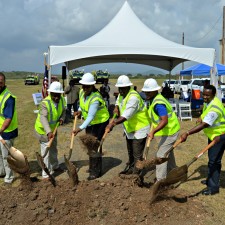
(181, 86)
(32, 80)
(196, 83)
(170, 84)
(76, 75)
(101, 76)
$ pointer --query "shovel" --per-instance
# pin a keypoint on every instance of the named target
(149, 164)
(71, 169)
(40, 158)
(51, 140)
(17, 160)
(105, 134)
(177, 174)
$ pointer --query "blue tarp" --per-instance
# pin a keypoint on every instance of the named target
(202, 70)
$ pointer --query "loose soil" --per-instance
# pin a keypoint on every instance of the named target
(109, 199)
(118, 201)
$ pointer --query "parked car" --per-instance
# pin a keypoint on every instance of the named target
(196, 83)
(181, 86)
(170, 84)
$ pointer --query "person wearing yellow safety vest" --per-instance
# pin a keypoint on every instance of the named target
(212, 122)
(8, 128)
(52, 110)
(96, 117)
(133, 115)
(164, 123)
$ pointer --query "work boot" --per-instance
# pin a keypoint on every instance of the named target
(95, 168)
(128, 169)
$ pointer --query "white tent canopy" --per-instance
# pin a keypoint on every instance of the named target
(127, 39)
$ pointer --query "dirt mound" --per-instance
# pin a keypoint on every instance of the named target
(93, 202)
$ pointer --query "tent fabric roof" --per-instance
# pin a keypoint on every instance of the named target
(127, 39)
(202, 70)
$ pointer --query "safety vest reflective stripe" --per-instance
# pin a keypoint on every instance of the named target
(7, 94)
(172, 126)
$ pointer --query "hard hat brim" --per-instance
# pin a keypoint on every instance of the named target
(87, 83)
(150, 90)
(60, 92)
(124, 85)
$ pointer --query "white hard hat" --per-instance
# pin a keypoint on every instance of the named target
(123, 81)
(56, 87)
(87, 79)
(150, 85)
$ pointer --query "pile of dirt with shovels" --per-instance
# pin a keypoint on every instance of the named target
(117, 201)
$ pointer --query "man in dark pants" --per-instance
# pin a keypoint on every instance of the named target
(133, 114)
(212, 122)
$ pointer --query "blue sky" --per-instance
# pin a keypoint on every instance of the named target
(28, 27)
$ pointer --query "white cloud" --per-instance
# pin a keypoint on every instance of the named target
(28, 27)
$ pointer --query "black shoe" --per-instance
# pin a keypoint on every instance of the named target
(209, 192)
(92, 177)
(127, 171)
(205, 182)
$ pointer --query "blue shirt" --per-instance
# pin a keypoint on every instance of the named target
(160, 110)
(8, 114)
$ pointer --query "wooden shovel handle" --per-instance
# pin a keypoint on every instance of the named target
(172, 148)
(74, 127)
(54, 132)
(205, 149)
(72, 138)
(51, 140)
(106, 132)
(201, 153)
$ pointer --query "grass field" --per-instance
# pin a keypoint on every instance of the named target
(27, 143)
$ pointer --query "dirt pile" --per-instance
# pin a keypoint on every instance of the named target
(114, 202)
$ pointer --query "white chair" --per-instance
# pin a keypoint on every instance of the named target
(185, 111)
(174, 106)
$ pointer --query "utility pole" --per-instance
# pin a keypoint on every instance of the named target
(222, 58)
(181, 78)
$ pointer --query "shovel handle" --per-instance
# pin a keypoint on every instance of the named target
(51, 140)
(54, 132)
(201, 153)
(172, 148)
(205, 149)
(147, 145)
(106, 132)
(72, 138)
(74, 127)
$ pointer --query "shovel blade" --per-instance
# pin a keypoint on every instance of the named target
(72, 172)
(43, 166)
(17, 167)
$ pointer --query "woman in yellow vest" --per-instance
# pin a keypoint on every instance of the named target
(52, 110)
(96, 117)
(133, 116)
(212, 122)
(165, 125)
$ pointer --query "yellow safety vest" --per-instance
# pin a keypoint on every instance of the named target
(53, 114)
(138, 120)
(102, 114)
(218, 126)
(14, 123)
(173, 124)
